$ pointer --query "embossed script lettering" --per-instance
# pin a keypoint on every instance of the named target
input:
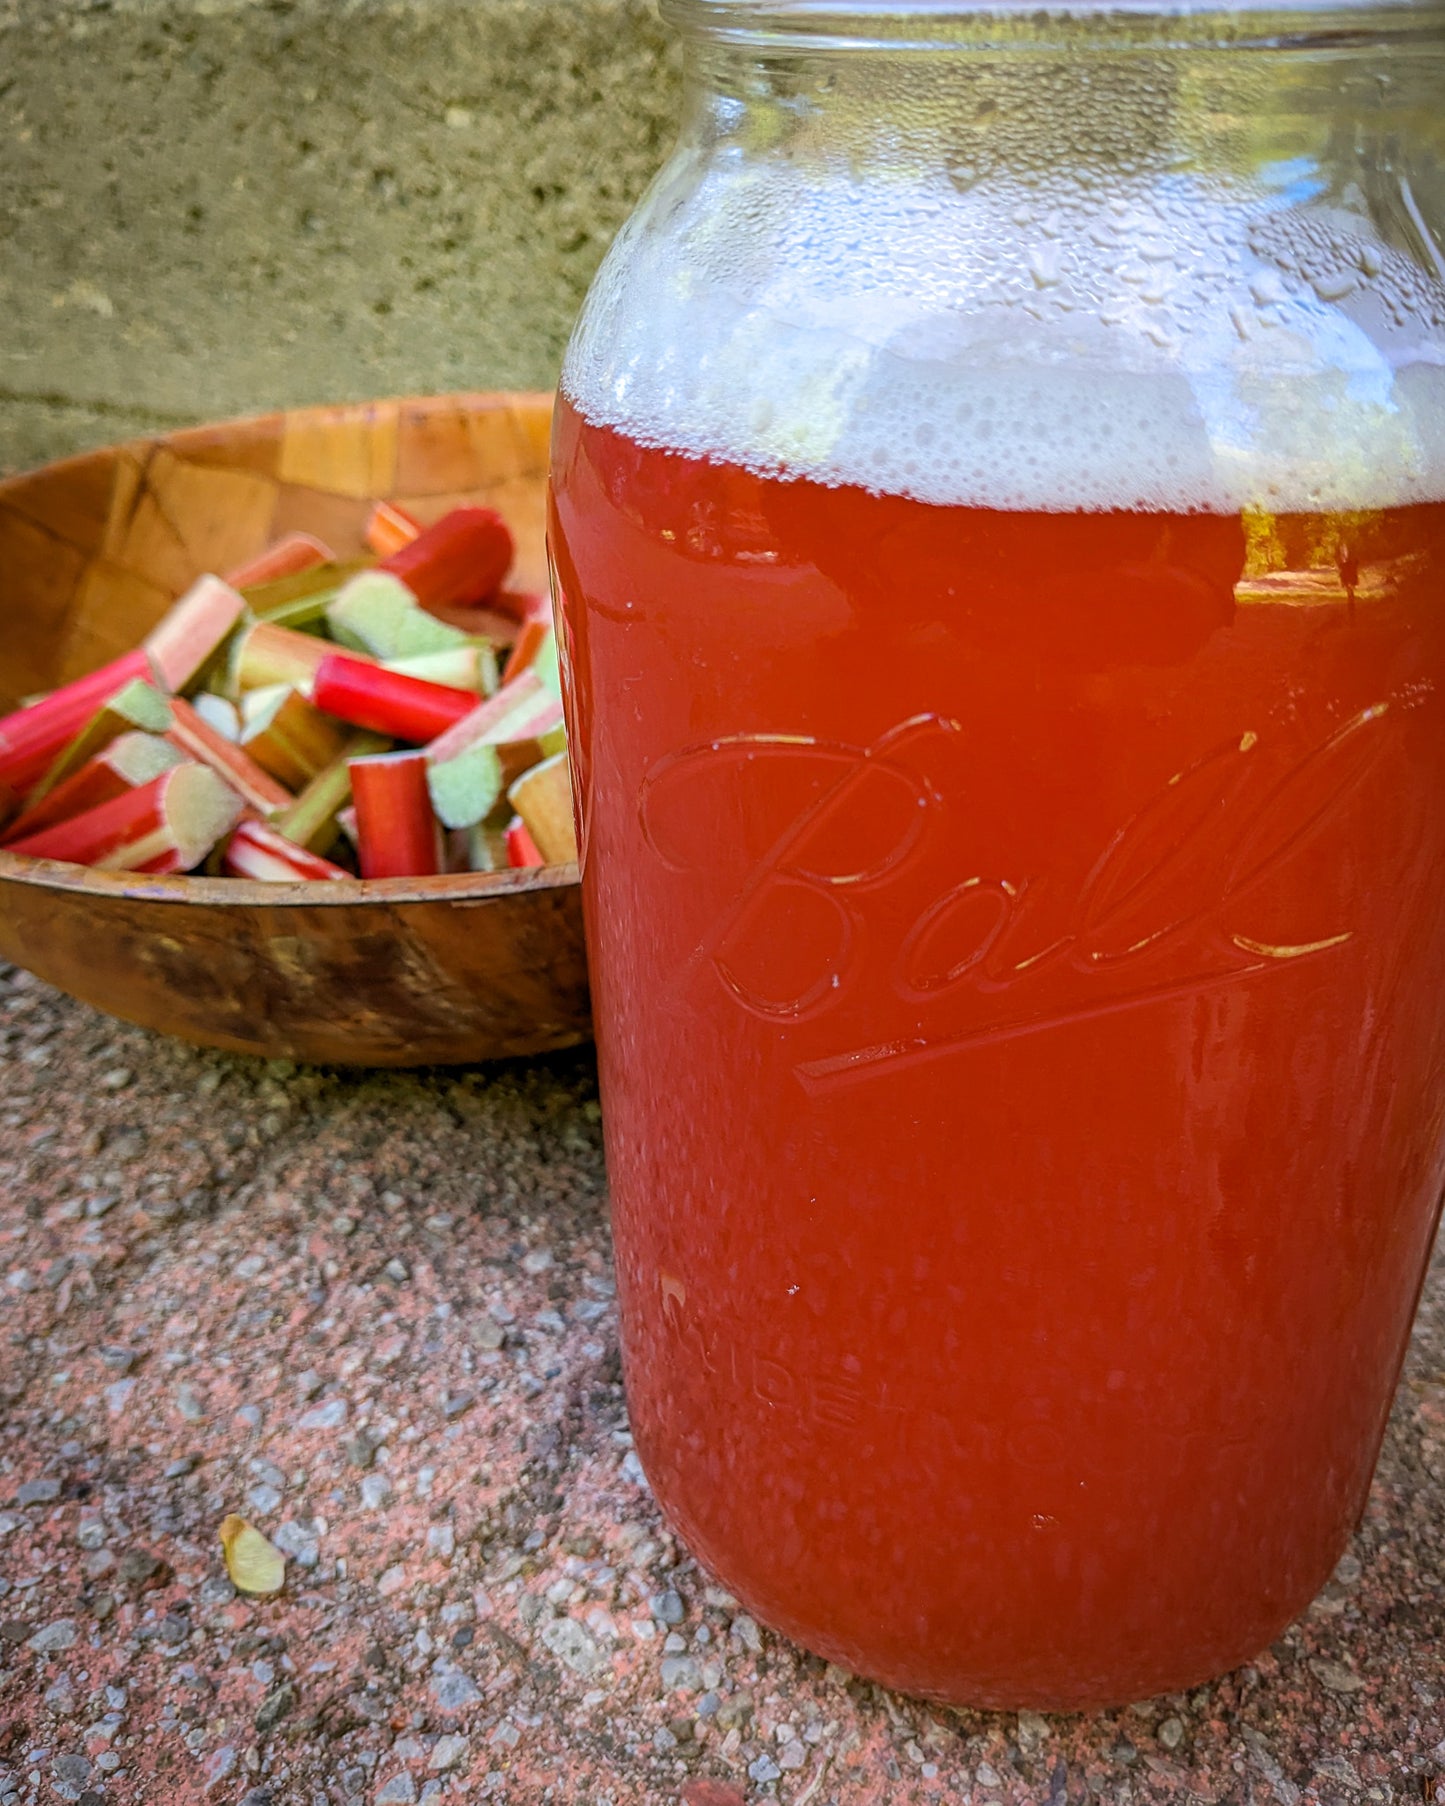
(841, 825)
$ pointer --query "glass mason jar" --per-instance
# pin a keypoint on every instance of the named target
(999, 529)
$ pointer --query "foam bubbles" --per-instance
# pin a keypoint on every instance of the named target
(1154, 348)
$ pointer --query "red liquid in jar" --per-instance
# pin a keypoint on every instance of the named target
(1018, 944)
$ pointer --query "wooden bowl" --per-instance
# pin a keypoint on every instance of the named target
(401, 972)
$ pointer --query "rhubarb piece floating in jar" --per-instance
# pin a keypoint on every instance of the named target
(128, 762)
(458, 562)
(168, 825)
(542, 797)
(397, 834)
(199, 741)
(387, 702)
(194, 631)
(389, 528)
(258, 851)
(32, 738)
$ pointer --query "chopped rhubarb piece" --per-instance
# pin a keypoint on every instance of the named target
(291, 738)
(499, 740)
(465, 789)
(267, 654)
(255, 786)
(194, 631)
(129, 761)
(377, 613)
(31, 738)
(313, 819)
(482, 848)
(397, 833)
(493, 720)
(218, 713)
(472, 667)
(389, 528)
(525, 648)
(296, 552)
(406, 708)
(522, 850)
(459, 561)
(167, 825)
(543, 799)
(523, 605)
(301, 600)
(258, 851)
(138, 706)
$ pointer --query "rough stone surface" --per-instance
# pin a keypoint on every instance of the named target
(567, 1647)
(285, 201)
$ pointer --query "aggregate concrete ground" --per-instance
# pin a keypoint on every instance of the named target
(374, 1315)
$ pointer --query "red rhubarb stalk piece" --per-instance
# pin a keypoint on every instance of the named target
(199, 740)
(168, 825)
(458, 562)
(258, 851)
(296, 552)
(140, 705)
(32, 738)
(129, 761)
(194, 631)
(528, 643)
(387, 702)
(491, 720)
(390, 528)
(522, 850)
(496, 743)
(397, 834)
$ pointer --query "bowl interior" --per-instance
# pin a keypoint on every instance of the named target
(95, 549)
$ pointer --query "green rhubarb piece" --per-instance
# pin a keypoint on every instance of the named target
(137, 705)
(311, 820)
(301, 599)
(466, 788)
(376, 613)
(545, 666)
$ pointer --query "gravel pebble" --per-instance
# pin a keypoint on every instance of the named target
(328, 1416)
(450, 1752)
(55, 1637)
(454, 1691)
(37, 1492)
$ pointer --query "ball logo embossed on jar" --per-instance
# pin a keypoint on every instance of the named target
(1188, 870)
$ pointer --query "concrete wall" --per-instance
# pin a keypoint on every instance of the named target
(209, 207)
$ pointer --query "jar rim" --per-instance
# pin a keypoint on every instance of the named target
(937, 25)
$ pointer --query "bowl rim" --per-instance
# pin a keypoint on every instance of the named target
(451, 887)
(311, 893)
